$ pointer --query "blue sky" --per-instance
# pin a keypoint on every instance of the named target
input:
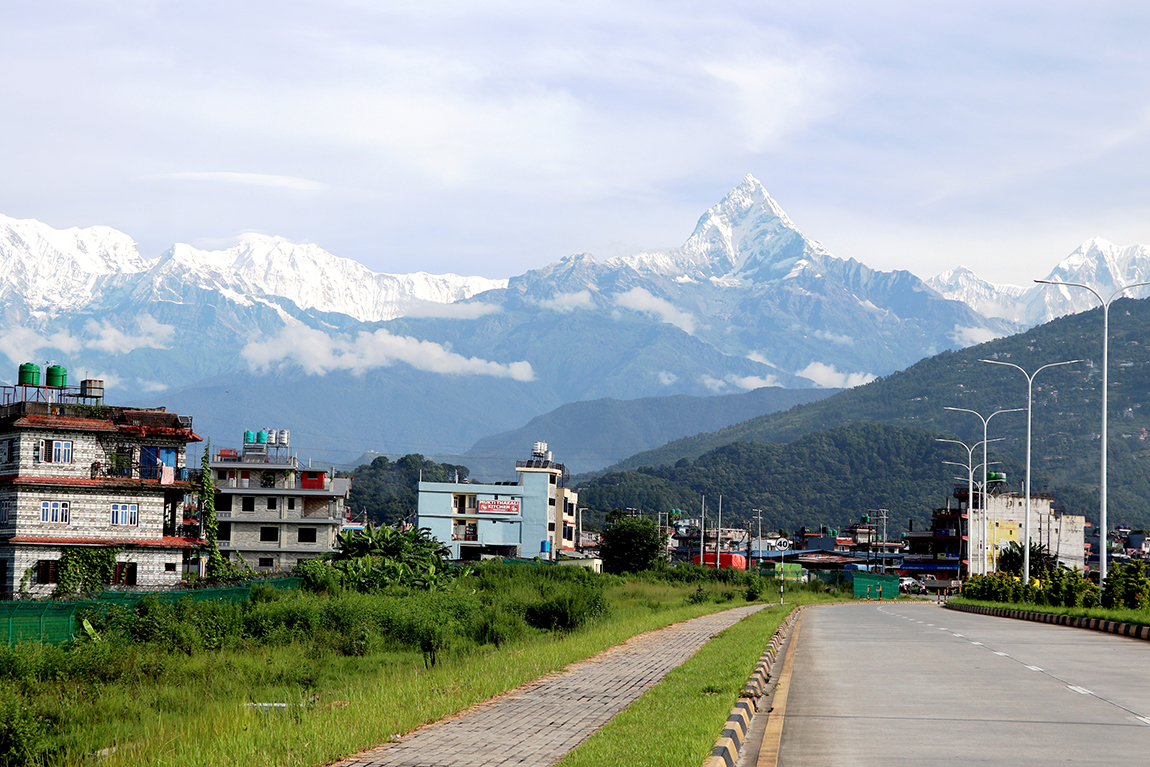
(489, 138)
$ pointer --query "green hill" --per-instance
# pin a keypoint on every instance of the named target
(1067, 414)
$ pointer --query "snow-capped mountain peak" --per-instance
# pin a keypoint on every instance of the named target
(746, 235)
(46, 270)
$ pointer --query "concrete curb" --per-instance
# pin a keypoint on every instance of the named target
(726, 750)
(1093, 624)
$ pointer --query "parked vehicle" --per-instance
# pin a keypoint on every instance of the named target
(909, 585)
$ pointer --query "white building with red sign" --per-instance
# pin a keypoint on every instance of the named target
(533, 516)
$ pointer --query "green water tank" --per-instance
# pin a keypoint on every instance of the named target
(29, 374)
(249, 437)
(261, 437)
(56, 376)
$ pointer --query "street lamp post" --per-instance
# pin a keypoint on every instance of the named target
(1029, 422)
(969, 466)
(1105, 371)
(985, 422)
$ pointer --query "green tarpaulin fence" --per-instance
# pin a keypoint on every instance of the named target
(54, 622)
(872, 586)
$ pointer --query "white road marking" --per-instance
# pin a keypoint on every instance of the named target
(1079, 690)
(1003, 654)
(1034, 668)
(977, 643)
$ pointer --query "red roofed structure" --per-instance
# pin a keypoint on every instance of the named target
(75, 473)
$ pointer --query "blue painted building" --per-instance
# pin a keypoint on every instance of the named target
(531, 516)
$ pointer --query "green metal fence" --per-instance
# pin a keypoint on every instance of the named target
(54, 622)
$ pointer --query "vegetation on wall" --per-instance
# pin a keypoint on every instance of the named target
(83, 570)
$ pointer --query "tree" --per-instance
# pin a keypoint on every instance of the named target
(631, 545)
(1010, 560)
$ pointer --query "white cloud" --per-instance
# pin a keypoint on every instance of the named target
(105, 337)
(641, 300)
(972, 336)
(827, 376)
(453, 311)
(712, 383)
(318, 354)
(150, 387)
(21, 344)
(249, 179)
(667, 378)
(836, 338)
(568, 302)
(762, 360)
(753, 382)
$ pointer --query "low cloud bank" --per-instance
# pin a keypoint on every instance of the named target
(318, 354)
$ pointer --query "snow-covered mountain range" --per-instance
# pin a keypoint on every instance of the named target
(1098, 263)
(46, 273)
(271, 332)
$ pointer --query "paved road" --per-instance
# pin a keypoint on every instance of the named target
(903, 684)
(538, 724)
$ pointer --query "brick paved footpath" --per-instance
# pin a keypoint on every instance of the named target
(537, 724)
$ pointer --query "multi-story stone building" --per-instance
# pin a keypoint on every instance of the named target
(534, 516)
(75, 473)
(271, 511)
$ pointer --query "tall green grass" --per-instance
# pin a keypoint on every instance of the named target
(172, 688)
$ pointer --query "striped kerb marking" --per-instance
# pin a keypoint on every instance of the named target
(1094, 624)
(726, 750)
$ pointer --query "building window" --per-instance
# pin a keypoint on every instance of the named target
(56, 451)
(265, 562)
(224, 531)
(222, 475)
(7, 511)
(269, 534)
(47, 571)
(553, 479)
(291, 504)
(223, 502)
(126, 514)
(550, 527)
(56, 512)
(169, 567)
(125, 574)
(307, 535)
(550, 501)
(4, 443)
(248, 503)
(271, 503)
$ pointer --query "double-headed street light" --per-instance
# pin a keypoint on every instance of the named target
(985, 422)
(1105, 370)
(969, 466)
(1029, 422)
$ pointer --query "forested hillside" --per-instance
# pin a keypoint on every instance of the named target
(1067, 409)
(830, 477)
(388, 491)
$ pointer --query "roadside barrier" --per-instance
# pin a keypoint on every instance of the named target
(53, 621)
(726, 750)
(1131, 630)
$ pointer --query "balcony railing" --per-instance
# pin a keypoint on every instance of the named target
(131, 470)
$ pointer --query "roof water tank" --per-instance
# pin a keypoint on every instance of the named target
(261, 437)
(539, 449)
(273, 435)
(249, 437)
(284, 437)
(56, 376)
(29, 374)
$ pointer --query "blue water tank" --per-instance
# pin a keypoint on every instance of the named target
(545, 547)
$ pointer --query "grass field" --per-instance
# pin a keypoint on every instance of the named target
(193, 709)
(1121, 615)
